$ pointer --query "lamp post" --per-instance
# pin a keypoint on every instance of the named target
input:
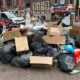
(77, 9)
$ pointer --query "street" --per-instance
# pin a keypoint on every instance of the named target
(35, 32)
(8, 72)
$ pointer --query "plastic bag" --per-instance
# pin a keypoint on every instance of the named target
(37, 34)
(38, 27)
(66, 62)
(70, 40)
(21, 61)
(7, 53)
(52, 52)
(39, 47)
(77, 42)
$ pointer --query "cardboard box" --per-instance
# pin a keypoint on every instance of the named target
(23, 31)
(53, 31)
(21, 44)
(70, 27)
(39, 61)
(76, 28)
(54, 39)
(10, 35)
(74, 33)
(56, 30)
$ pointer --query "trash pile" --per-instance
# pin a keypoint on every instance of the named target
(24, 47)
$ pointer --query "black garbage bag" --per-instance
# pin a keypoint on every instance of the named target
(39, 47)
(70, 40)
(66, 62)
(77, 42)
(41, 51)
(39, 33)
(21, 61)
(7, 53)
(52, 52)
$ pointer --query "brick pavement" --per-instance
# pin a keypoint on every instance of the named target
(8, 72)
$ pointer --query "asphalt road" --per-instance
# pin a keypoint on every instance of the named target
(8, 72)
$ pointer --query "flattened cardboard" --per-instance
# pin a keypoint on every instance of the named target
(10, 35)
(54, 39)
(21, 44)
(74, 33)
(39, 61)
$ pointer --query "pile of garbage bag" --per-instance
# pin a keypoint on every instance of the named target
(64, 54)
(41, 48)
(38, 47)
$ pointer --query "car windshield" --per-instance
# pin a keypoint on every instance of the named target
(11, 15)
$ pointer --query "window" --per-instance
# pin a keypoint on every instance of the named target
(17, 2)
(71, 1)
(38, 5)
(33, 6)
(56, 1)
(11, 15)
(62, 1)
(4, 16)
(47, 5)
(42, 5)
(9, 2)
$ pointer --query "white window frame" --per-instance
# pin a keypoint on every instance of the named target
(62, 1)
(38, 5)
(33, 6)
(47, 5)
(10, 3)
(42, 5)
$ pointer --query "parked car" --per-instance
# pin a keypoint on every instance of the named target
(11, 16)
(2, 22)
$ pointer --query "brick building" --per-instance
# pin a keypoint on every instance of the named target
(10, 4)
(40, 7)
(37, 6)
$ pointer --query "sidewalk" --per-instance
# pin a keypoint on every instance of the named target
(8, 72)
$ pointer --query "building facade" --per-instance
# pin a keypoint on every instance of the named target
(10, 4)
(40, 7)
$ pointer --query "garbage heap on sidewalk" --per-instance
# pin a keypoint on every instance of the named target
(41, 47)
